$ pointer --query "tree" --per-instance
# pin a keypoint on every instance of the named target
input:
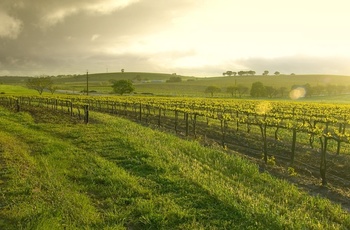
(123, 86)
(138, 78)
(240, 73)
(39, 84)
(232, 90)
(318, 90)
(250, 72)
(212, 89)
(271, 91)
(277, 73)
(122, 70)
(242, 90)
(258, 90)
(265, 73)
(52, 89)
(174, 79)
(229, 73)
(282, 91)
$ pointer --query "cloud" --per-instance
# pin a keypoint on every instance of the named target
(297, 64)
(53, 12)
(9, 27)
(56, 16)
(108, 6)
(94, 37)
(184, 36)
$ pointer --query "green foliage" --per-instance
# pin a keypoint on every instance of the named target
(40, 84)
(246, 73)
(258, 90)
(291, 171)
(174, 79)
(15, 90)
(265, 73)
(123, 86)
(155, 83)
(115, 174)
(231, 90)
(271, 160)
(212, 89)
(229, 73)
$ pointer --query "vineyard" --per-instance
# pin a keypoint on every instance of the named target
(71, 162)
(276, 130)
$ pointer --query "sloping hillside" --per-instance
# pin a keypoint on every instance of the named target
(115, 174)
(156, 83)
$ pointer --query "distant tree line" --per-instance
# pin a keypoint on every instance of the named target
(259, 90)
(174, 79)
(249, 73)
(239, 73)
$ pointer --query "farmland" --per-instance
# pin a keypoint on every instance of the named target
(155, 84)
(121, 174)
(115, 174)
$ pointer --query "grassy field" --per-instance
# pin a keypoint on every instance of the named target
(115, 174)
(154, 83)
(15, 90)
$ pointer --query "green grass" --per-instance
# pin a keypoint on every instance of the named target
(196, 86)
(115, 174)
(190, 86)
(15, 90)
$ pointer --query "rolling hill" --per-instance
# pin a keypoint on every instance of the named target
(155, 83)
(115, 174)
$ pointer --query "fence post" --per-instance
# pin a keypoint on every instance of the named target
(17, 105)
(293, 146)
(176, 119)
(187, 125)
(323, 163)
(86, 114)
(140, 112)
(159, 115)
(71, 108)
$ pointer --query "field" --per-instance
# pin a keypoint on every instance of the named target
(155, 83)
(15, 90)
(114, 174)
(221, 173)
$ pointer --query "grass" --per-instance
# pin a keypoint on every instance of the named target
(190, 86)
(15, 90)
(115, 174)
(197, 86)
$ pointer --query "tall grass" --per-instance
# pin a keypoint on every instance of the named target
(114, 174)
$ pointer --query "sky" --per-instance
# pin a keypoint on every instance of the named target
(187, 37)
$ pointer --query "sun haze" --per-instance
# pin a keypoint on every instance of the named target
(190, 37)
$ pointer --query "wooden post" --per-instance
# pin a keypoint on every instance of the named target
(17, 105)
(86, 114)
(140, 112)
(293, 146)
(263, 135)
(323, 163)
(159, 115)
(223, 132)
(194, 122)
(187, 125)
(176, 120)
(87, 83)
(71, 108)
